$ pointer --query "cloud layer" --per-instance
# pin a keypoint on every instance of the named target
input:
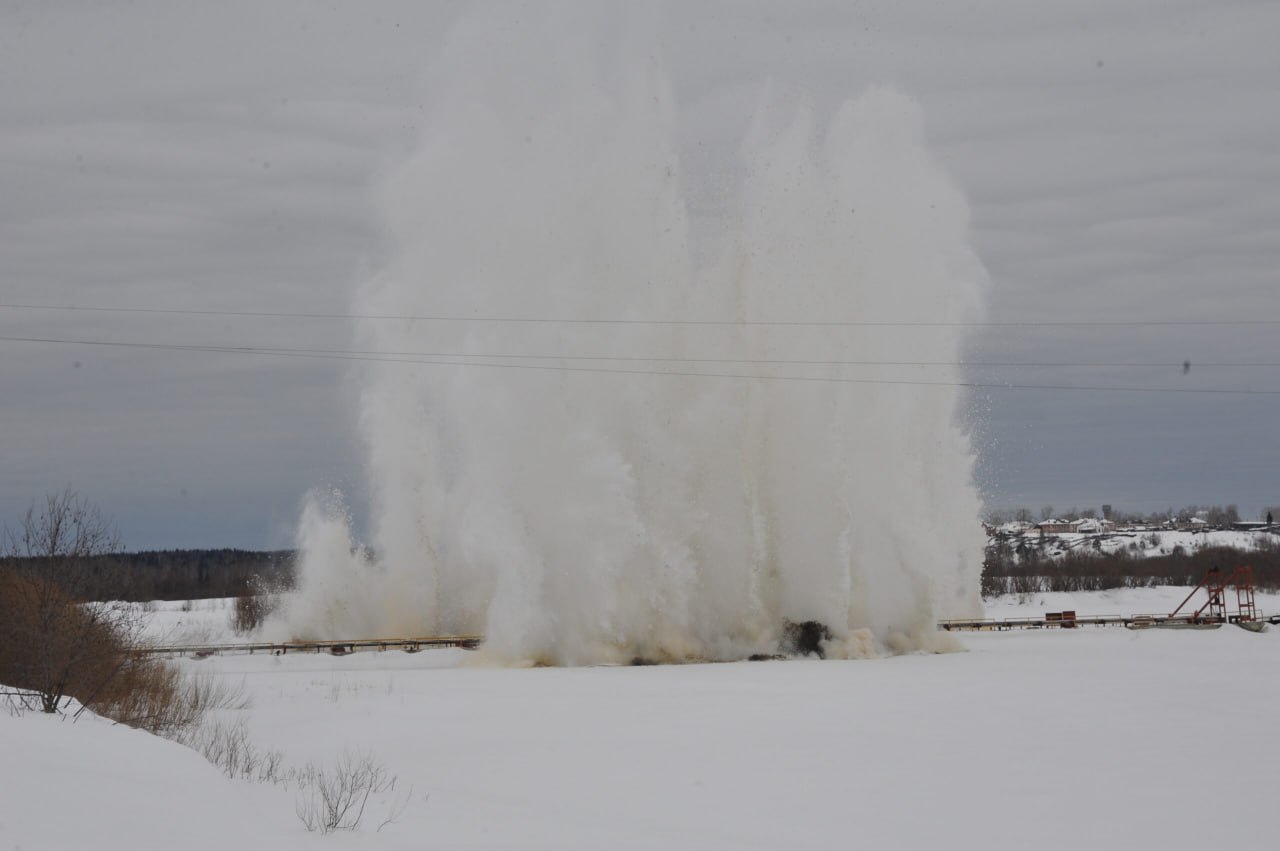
(1119, 159)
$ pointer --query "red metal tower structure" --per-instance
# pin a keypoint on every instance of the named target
(1215, 608)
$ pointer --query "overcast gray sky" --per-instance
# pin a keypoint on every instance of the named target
(1121, 160)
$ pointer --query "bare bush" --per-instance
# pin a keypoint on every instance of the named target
(228, 747)
(329, 799)
(335, 799)
(58, 640)
(155, 696)
(148, 694)
(396, 809)
(57, 647)
(18, 703)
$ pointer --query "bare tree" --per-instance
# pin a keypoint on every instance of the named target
(56, 640)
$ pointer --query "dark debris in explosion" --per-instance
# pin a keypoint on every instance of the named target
(805, 638)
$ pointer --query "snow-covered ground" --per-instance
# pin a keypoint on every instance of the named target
(1098, 736)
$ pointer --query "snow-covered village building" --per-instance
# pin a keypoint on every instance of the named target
(1055, 527)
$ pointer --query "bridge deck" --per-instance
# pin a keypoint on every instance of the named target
(337, 647)
(341, 647)
(1131, 621)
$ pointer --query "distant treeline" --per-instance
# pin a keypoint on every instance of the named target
(204, 574)
(1005, 572)
(179, 574)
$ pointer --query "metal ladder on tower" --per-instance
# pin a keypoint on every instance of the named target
(1243, 580)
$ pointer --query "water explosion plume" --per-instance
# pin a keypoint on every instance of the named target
(578, 517)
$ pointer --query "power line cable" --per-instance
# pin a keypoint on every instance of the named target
(651, 359)
(678, 373)
(831, 323)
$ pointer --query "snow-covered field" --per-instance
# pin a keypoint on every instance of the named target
(1094, 736)
(190, 621)
(1161, 599)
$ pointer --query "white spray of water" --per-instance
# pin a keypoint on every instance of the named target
(577, 518)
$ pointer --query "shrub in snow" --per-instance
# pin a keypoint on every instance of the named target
(335, 799)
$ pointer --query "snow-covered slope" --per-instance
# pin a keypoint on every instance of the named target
(1140, 544)
(91, 784)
